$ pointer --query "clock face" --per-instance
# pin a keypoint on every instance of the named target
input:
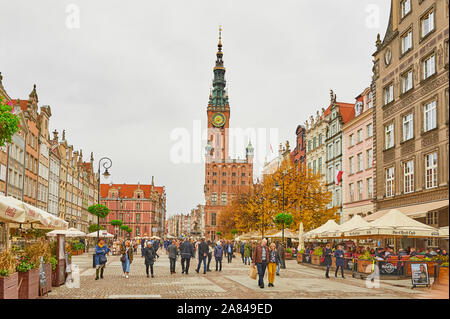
(218, 120)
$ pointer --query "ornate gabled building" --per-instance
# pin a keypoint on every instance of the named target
(411, 114)
(139, 206)
(340, 114)
(224, 177)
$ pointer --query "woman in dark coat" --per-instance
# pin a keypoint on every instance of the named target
(327, 252)
(100, 258)
(149, 254)
(339, 254)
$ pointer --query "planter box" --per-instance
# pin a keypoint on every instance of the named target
(315, 260)
(443, 276)
(299, 258)
(288, 256)
(54, 278)
(8, 286)
(362, 266)
(29, 284)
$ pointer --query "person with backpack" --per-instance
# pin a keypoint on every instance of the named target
(218, 254)
(327, 252)
(100, 258)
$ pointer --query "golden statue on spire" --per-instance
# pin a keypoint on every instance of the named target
(220, 35)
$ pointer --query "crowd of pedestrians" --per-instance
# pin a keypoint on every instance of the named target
(252, 254)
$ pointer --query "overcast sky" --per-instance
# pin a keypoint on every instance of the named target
(121, 77)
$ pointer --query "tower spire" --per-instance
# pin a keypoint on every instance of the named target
(218, 98)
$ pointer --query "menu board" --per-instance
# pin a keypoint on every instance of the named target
(419, 274)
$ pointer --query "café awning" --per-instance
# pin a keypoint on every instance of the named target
(10, 211)
(413, 211)
(71, 232)
(329, 225)
(287, 234)
(38, 217)
(337, 232)
(394, 224)
(102, 234)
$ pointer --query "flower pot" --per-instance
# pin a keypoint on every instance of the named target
(315, 260)
(29, 284)
(443, 276)
(362, 266)
(299, 258)
(288, 255)
(8, 286)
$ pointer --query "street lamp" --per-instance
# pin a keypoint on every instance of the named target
(277, 186)
(107, 163)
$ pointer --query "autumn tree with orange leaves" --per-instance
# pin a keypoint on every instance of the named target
(305, 197)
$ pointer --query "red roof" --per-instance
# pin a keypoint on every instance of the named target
(23, 104)
(347, 111)
(127, 190)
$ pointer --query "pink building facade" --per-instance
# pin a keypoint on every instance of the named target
(358, 159)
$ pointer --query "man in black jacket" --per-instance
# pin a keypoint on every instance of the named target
(202, 255)
(186, 252)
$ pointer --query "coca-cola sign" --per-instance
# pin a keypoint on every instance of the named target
(10, 211)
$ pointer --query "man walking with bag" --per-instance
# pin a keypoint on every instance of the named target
(260, 257)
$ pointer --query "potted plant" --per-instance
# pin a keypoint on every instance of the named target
(28, 278)
(54, 277)
(300, 254)
(288, 253)
(9, 279)
(315, 258)
(365, 260)
(443, 273)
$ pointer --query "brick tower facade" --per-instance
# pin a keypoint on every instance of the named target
(224, 177)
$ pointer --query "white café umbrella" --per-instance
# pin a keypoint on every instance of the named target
(102, 234)
(10, 211)
(301, 242)
(71, 232)
(336, 232)
(330, 224)
(394, 224)
(40, 218)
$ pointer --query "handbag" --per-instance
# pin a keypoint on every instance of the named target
(253, 272)
(123, 258)
(322, 259)
(102, 259)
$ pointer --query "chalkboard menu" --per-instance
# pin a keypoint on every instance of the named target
(42, 277)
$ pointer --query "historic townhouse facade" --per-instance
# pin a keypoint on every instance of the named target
(316, 130)
(358, 157)
(224, 177)
(141, 207)
(411, 114)
(340, 114)
(54, 177)
(63, 152)
(298, 155)
(44, 157)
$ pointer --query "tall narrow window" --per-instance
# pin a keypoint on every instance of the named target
(360, 190)
(430, 116)
(390, 182)
(369, 158)
(431, 170)
(408, 127)
(389, 136)
(429, 66)
(406, 41)
(406, 7)
(369, 130)
(408, 176)
(369, 183)
(352, 192)
(360, 162)
(427, 23)
(388, 94)
(407, 81)
(350, 165)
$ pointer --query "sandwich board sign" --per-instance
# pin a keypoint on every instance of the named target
(419, 275)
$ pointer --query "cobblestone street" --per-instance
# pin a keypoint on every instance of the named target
(297, 281)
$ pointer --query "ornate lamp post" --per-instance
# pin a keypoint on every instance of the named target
(107, 163)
